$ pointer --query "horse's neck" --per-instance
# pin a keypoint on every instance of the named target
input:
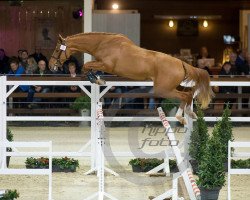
(83, 43)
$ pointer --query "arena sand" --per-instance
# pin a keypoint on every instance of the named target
(129, 186)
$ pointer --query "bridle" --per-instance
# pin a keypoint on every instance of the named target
(62, 49)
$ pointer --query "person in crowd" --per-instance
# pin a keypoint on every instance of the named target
(72, 73)
(39, 56)
(202, 65)
(232, 60)
(32, 65)
(203, 53)
(41, 71)
(241, 62)
(24, 58)
(4, 62)
(19, 55)
(245, 69)
(226, 71)
(71, 59)
(17, 70)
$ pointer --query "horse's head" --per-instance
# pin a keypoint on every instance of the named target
(60, 54)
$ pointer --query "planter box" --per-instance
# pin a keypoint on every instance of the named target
(58, 169)
(136, 168)
(212, 194)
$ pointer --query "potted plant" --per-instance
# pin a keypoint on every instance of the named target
(198, 139)
(211, 173)
(225, 133)
(64, 164)
(9, 195)
(10, 139)
(144, 164)
(83, 105)
(241, 164)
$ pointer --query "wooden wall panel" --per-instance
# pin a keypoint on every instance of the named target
(18, 25)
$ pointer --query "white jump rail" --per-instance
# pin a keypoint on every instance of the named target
(10, 171)
(231, 155)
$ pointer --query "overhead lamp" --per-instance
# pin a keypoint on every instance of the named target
(205, 24)
(171, 23)
(115, 6)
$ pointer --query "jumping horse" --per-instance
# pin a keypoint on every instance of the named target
(118, 55)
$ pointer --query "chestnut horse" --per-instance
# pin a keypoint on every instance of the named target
(118, 55)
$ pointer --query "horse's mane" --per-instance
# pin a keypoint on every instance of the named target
(95, 33)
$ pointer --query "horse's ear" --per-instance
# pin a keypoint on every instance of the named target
(61, 38)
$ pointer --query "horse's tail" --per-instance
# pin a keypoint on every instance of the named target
(202, 84)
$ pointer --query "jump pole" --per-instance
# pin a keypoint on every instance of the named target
(193, 190)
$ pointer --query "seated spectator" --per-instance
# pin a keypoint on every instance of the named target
(227, 71)
(42, 71)
(17, 70)
(245, 69)
(241, 62)
(72, 73)
(203, 53)
(19, 54)
(202, 65)
(4, 63)
(32, 65)
(232, 60)
(71, 59)
(24, 58)
(39, 56)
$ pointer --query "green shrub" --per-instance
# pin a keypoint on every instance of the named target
(211, 171)
(80, 103)
(199, 137)
(146, 162)
(169, 104)
(10, 195)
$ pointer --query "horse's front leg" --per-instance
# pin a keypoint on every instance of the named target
(93, 65)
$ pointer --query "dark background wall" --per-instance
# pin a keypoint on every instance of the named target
(156, 34)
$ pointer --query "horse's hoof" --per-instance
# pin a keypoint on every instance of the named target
(181, 119)
(100, 82)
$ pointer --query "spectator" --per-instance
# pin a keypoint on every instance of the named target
(32, 65)
(227, 71)
(19, 53)
(24, 58)
(17, 70)
(232, 60)
(203, 53)
(71, 59)
(42, 71)
(241, 62)
(4, 63)
(72, 73)
(202, 65)
(39, 56)
(245, 70)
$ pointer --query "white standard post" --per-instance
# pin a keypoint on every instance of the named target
(87, 21)
(3, 120)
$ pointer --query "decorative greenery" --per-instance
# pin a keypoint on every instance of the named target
(169, 104)
(57, 163)
(80, 103)
(65, 163)
(225, 132)
(9, 138)
(241, 164)
(10, 195)
(145, 162)
(199, 137)
(211, 172)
